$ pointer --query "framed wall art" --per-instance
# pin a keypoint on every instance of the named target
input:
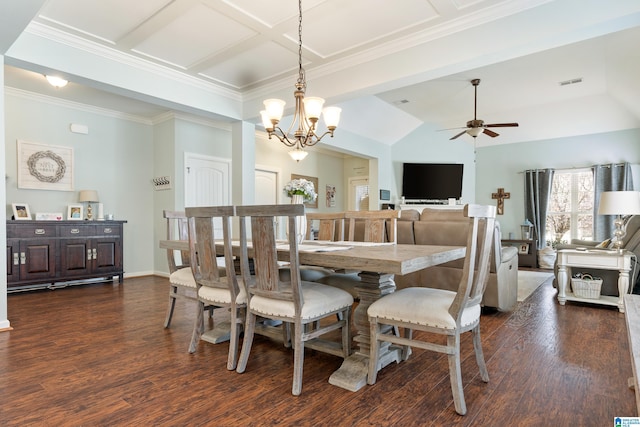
(44, 167)
(74, 213)
(314, 180)
(21, 211)
(523, 249)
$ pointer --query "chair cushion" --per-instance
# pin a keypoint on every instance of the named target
(222, 296)
(318, 300)
(183, 277)
(422, 306)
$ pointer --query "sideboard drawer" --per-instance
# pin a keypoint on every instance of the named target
(32, 231)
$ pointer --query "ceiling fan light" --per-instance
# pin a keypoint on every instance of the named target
(274, 109)
(474, 132)
(332, 116)
(313, 107)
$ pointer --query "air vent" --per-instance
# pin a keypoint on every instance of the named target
(401, 101)
(571, 82)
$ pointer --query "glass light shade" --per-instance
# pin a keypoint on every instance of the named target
(266, 121)
(274, 108)
(298, 154)
(474, 132)
(88, 196)
(331, 116)
(56, 82)
(619, 203)
(313, 107)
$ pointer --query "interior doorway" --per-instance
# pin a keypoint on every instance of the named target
(358, 194)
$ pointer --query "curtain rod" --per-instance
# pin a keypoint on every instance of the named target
(575, 167)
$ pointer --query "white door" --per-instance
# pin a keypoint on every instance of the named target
(207, 181)
(267, 191)
(358, 194)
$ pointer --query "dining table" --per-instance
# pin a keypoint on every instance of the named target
(377, 263)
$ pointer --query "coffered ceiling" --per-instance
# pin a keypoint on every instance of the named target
(391, 65)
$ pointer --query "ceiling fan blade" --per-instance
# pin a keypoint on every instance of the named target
(502, 125)
(461, 133)
(460, 127)
(491, 133)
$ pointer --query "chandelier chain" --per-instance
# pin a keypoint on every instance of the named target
(301, 76)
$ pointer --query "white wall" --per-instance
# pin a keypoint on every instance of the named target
(501, 165)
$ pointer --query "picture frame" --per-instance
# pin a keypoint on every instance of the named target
(21, 211)
(314, 180)
(75, 213)
(44, 167)
(523, 249)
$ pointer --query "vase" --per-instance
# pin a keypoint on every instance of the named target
(301, 221)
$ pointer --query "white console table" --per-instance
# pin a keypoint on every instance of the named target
(593, 258)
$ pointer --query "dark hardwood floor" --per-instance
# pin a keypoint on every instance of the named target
(98, 355)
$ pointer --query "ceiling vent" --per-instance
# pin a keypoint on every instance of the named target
(571, 81)
(401, 101)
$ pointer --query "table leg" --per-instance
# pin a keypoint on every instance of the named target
(352, 374)
(563, 279)
(623, 288)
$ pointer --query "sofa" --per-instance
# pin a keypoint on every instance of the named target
(630, 242)
(450, 227)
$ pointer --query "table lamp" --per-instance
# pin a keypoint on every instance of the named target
(89, 196)
(622, 204)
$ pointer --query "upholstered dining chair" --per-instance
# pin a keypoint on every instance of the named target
(439, 311)
(181, 282)
(299, 303)
(213, 288)
(330, 225)
(376, 225)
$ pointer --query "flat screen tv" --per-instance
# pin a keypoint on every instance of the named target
(432, 181)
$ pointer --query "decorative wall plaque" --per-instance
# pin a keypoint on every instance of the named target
(45, 167)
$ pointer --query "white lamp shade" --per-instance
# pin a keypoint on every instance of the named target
(331, 116)
(88, 196)
(619, 203)
(274, 108)
(474, 132)
(266, 121)
(313, 107)
(298, 154)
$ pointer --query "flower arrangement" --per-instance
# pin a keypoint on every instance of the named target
(301, 187)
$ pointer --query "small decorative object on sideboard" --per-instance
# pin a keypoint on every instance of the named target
(584, 285)
(74, 212)
(526, 229)
(89, 196)
(21, 211)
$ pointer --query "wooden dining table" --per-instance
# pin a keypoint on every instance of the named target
(377, 264)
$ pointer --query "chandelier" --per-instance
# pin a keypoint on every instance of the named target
(306, 115)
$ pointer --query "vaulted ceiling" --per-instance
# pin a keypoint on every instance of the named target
(391, 65)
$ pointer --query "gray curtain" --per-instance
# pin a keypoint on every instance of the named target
(611, 177)
(537, 192)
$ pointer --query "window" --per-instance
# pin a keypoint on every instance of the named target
(570, 214)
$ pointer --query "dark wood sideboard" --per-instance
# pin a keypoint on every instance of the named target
(50, 254)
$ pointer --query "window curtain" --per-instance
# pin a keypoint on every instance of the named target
(610, 177)
(537, 193)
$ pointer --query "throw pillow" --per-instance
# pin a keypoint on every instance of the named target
(604, 244)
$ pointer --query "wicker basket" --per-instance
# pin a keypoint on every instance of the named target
(586, 287)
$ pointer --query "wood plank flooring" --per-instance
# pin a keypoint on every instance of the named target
(98, 355)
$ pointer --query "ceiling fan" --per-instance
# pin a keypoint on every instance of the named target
(475, 127)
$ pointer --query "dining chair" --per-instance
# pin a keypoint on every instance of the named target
(296, 302)
(438, 311)
(181, 281)
(213, 288)
(379, 226)
(330, 225)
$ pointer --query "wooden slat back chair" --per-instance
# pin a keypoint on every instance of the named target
(213, 287)
(440, 311)
(182, 284)
(374, 225)
(330, 225)
(299, 303)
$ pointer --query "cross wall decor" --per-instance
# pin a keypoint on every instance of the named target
(500, 196)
